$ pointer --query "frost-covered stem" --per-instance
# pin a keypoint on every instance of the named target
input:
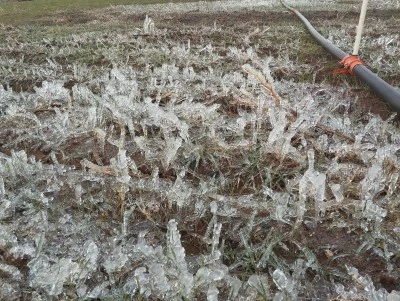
(330, 131)
(106, 170)
(264, 84)
(2, 188)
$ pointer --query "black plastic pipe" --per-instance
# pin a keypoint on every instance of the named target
(385, 91)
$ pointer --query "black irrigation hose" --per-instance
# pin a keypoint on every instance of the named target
(385, 91)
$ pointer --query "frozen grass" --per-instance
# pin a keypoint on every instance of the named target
(21, 12)
(192, 162)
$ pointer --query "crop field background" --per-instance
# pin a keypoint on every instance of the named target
(196, 151)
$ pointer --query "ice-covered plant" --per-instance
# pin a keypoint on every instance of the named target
(166, 274)
(194, 161)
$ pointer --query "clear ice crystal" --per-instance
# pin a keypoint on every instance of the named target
(260, 284)
(116, 260)
(88, 264)
(19, 165)
(99, 291)
(51, 277)
(159, 281)
(148, 25)
(180, 192)
(215, 240)
(120, 166)
(394, 296)
(235, 285)
(172, 146)
(2, 188)
(5, 205)
(311, 184)
(281, 280)
(337, 192)
(365, 289)
(175, 254)
(202, 276)
(10, 272)
(7, 239)
(175, 251)
(52, 92)
(23, 250)
(373, 182)
(281, 201)
(212, 293)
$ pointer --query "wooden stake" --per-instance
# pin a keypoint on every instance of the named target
(360, 27)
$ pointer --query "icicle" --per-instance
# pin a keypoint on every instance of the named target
(175, 254)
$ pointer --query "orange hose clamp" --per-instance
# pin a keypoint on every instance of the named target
(348, 63)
